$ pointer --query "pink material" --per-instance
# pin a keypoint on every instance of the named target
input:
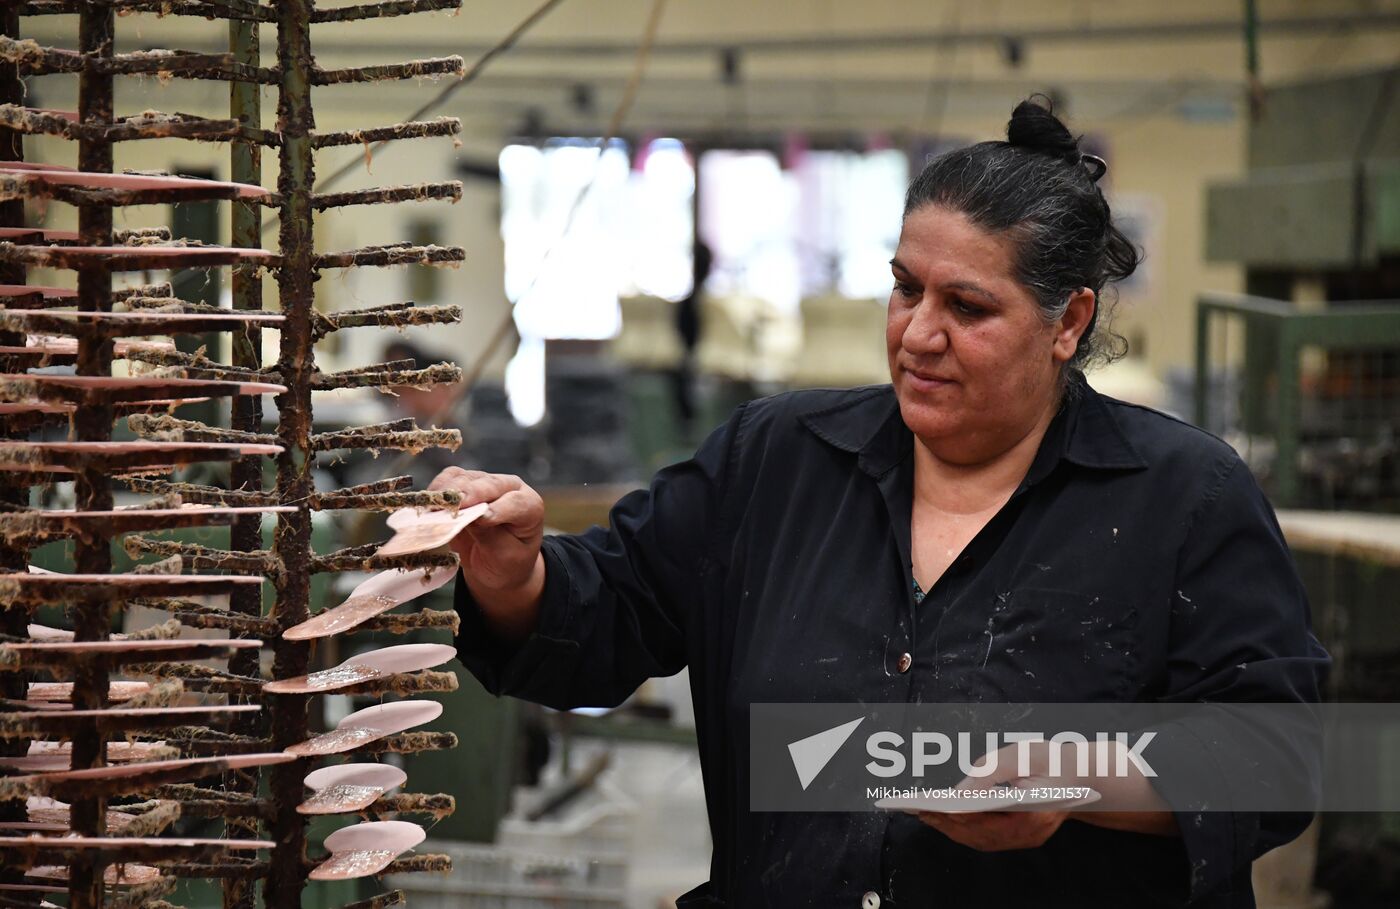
(32, 165)
(46, 756)
(40, 706)
(147, 404)
(421, 531)
(125, 875)
(61, 474)
(11, 452)
(142, 316)
(369, 725)
(121, 406)
(42, 165)
(186, 508)
(173, 253)
(346, 866)
(68, 347)
(347, 788)
(373, 597)
(120, 347)
(364, 667)
(114, 842)
(385, 776)
(144, 382)
(63, 691)
(243, 448)
(22, 290)
(123, 771)
(116, 751)
(92, 180)
(397, 835)
(39, 763)
(155, 712)
(196, 584)
(60, 517)
(153, 647)
(366, 849)
(70, 236)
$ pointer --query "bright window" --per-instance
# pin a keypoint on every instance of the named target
(827, 223)
(582, 227)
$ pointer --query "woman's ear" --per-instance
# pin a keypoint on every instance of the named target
(1072, 325)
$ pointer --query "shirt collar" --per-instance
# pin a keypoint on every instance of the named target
(1084, 432)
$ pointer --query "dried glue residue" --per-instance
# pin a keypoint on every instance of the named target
(337, 740)
(346, 865)
(326, 679)
(343, 797)
(340, 676)
(342, 618)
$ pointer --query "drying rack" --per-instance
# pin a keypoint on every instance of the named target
(197, 741)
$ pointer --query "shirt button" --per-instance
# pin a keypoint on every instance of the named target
(871, 900)
(905, 661)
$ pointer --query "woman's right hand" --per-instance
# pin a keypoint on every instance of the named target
(500, 551)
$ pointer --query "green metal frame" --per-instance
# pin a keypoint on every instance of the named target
(1276, 332)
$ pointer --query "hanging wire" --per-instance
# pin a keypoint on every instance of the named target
(504, 330)
(449, 90)
(181, 280)
(940, 80)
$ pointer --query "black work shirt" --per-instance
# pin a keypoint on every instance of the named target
(1137, 561)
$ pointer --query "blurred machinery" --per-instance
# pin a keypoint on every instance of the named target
(1304, 373)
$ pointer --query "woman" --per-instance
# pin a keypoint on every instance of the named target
(853, 546)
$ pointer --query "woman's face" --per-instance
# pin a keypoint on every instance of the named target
(974, 365)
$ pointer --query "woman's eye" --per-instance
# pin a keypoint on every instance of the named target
(967, 308)
(904, 290)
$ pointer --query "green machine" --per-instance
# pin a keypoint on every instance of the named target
(1306, 366)
(1310, 356)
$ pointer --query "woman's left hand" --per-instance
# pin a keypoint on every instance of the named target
(1136, 805)
(996, 831)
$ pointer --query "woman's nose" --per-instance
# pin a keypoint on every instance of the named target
(926, 333)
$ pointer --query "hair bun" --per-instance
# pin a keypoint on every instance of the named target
(1034, 126)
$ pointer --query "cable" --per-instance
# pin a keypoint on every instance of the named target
(503, 329)
(476, 69)
(936, 97)
(183, 278)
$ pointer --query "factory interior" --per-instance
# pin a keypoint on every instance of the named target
(598, 227)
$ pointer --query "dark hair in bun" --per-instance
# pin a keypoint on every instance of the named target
(1038, 187)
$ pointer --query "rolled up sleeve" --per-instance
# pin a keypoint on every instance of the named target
(1240, 633)
(618, 600)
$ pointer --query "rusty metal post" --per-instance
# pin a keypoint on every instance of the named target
(296, 365)
(96, 36)
(245, 534)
